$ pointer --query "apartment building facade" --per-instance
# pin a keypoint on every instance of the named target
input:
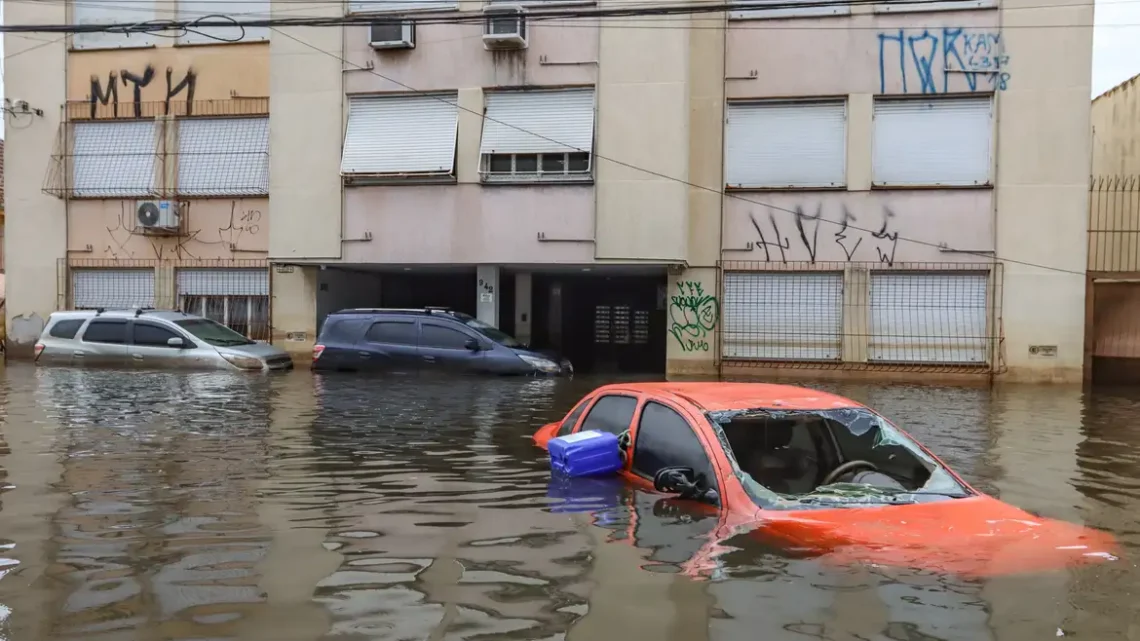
(845, 188)
(143, 164)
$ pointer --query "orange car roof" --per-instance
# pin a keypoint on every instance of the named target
(715, 397)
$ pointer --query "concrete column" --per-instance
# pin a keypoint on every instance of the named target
(487, 291)
(470, 101)
(692, 322)
(524, 310)
(165, 288)
(856, 314)
(860, 122)
(294, 311)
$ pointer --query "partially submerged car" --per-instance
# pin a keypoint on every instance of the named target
(821, 475)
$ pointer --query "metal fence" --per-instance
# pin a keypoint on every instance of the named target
(235, 293)
(1114, 224)
(908, 316)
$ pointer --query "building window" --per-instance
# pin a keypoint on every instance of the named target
(244, 10)
(112, 288)
(932, 142)
(236, 298)
(114, 159)
(223, 157)
(402, 6)
(538, 136)
(401, 136)
(785, 9)
(782, 316)
(900, 6)
(786, 144)
(929, 318)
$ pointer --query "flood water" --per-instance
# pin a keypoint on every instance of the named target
(173, 506)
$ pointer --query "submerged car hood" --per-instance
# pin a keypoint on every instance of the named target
(260, 350)
(976, 536)
(540, 353)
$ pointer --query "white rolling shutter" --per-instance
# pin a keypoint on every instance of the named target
(782, 316)
(378, 6)
(223, 157)
(89, 13)
(223, 282)
(114, 159)
(241, 10)
(401, 134)
(112, 288)
(786, 144)
(538, 122)
(941, 141)
(929, 318)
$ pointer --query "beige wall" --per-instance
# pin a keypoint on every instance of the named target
(215, 228)
(35, 227)
(305, 135)
(469, 223)
(1042, 195)
(1116, 130)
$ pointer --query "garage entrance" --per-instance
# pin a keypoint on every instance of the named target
(1116, 332)
(603, 322)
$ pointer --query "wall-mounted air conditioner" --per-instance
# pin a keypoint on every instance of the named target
(393, 35)
(504, 26)
(158, 216)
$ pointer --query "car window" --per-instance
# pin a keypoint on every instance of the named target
(66, 328)
(345, 330)
(106, 331)
(149, 335)
(665, 439)
(392, 332)
(572, 419)
(612, 413)
(441, 337)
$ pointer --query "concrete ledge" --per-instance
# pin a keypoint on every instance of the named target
(884, 373)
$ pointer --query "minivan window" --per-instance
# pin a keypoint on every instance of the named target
(392, 333)
(441, 337)
(491, 332)
(343, 330)
(611, 414)
(66, 328)
(106, 331)
(213, 333)
(149, 335)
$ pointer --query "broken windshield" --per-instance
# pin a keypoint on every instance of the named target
(829, 458)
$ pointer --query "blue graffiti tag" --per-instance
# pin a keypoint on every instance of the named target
(935, 58)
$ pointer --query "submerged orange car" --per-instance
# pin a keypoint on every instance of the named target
(822, 475)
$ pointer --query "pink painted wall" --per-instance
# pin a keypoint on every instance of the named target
(449, 56)
(214, 228)
(468, 223)
(962, 219)
(839, 56)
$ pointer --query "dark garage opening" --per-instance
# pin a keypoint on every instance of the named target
(415, 290)
(602, 323)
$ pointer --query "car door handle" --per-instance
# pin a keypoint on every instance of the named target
(77, 353)
(429, 358)
(137, 357)
(364, 354)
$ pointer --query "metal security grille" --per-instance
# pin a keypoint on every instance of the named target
(1114, 224)
(236, 298)
(114, 159)
(783, 316)
(223, 157)
(112, 288)
(907, 316)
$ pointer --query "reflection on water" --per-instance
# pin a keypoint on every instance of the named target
(217, 506)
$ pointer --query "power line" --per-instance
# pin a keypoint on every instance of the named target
(657, 174)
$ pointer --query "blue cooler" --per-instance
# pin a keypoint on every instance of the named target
(589, 453)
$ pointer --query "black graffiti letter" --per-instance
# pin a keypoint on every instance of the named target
(841, 235)
(814, 242)
(883, 234)
(103, 96)
(187, 83)
(139, 82)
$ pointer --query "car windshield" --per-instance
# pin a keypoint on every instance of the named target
(490, 331)
(829, 458)
(213, 333)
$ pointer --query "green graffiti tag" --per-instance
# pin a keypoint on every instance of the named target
(692, 315)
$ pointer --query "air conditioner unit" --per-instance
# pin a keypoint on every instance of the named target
(158, 216)
(504, 26)
(393, 35)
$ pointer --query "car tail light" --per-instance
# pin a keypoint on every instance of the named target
(317, 351)
(39, 350)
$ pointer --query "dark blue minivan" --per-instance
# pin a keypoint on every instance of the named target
(434, 338)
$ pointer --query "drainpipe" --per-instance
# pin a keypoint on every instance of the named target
(997, 321)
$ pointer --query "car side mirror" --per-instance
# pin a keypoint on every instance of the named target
(473, 345)
(685, 483)
(176, 342)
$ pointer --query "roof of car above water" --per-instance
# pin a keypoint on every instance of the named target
(400, 311)
(162, 314)
(713, 396)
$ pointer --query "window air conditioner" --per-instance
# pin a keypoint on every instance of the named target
(504, 26)
(158, 216)
(393, 35)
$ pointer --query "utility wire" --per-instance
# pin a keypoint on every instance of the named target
(657, 174)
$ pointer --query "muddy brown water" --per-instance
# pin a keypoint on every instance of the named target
(163, 506)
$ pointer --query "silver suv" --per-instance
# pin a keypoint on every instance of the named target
(152, 338)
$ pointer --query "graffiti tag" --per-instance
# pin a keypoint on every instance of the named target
(693, 314)
(927, 61)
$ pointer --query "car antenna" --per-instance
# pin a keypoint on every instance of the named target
(99, 310)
